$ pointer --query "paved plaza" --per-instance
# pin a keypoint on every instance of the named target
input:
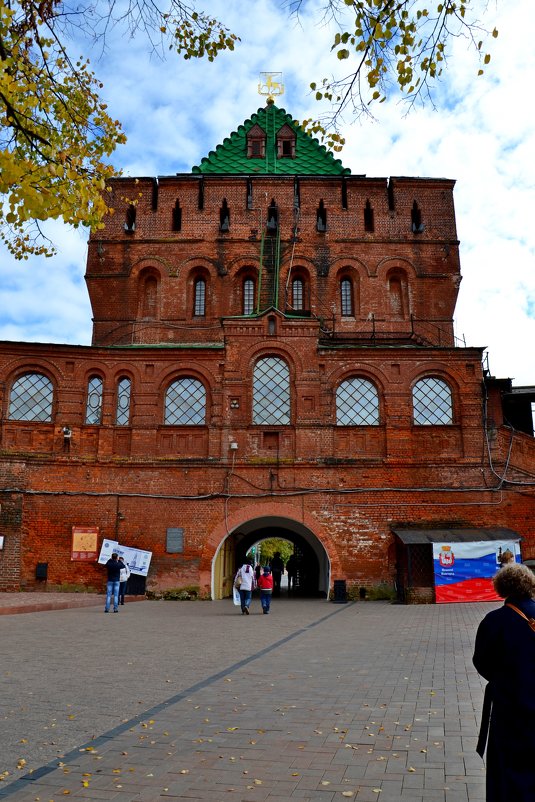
(193, 701)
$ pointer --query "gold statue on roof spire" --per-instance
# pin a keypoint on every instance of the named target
(270, 84)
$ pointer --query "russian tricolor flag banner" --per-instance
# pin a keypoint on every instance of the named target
(464, 571)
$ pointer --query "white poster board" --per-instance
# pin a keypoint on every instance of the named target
(137, 560)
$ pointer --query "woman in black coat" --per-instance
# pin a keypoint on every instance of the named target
(505, 655)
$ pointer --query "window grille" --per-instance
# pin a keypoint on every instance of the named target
(185, 403)
(271, 392)
(200, 298)
(357, 403)
(346, 297)
(248, 296)
(31, 398)
(432, 404)
(122, 412)
(93, 410)
(297, 294)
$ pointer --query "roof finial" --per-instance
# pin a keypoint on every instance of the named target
(270, 84)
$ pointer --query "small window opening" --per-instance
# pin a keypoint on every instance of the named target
(199, 304)
(344, 193)
(248, 296)
(321, 217)
(272, 218)
(249, 193)
(256, 143)
(391, 201)
(224, 217)
(416, 219)
(286, 143)
(200, 200)
(272, 326)
(155, 188)
(369, 223)
(130, 224)
(297, 194)
(346, 297)
(177, 217)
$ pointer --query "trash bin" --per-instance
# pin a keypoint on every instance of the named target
(41, 571)
(340, 591)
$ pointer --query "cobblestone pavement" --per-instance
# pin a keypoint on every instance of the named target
(193, 701)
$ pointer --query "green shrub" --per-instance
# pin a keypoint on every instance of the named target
(186, 593)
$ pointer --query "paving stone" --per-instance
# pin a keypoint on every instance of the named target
(377, 699)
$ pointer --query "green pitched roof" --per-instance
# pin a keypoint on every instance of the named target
(230, 157)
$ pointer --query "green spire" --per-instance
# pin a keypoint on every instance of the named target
(307, 157)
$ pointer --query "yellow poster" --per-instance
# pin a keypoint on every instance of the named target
(84, 543)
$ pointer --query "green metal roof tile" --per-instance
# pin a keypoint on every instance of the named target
(230, 157)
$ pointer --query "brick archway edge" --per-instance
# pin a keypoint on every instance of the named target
(257, 512)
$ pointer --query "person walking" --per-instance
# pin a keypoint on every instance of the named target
(504, 654)
(265, 583)
(291, 570)
(246, 583)
(113, 567)
(277, 569)
(123, 579)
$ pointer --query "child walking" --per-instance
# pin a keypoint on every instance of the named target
(265, 583)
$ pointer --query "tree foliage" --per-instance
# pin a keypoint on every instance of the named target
(392, 46)
(56, 136)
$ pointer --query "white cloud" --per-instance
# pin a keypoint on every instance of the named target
(482, 133)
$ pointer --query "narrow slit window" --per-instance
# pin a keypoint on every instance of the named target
(298, 294)
(369, 222)
(248, 296)
(321, 217)
(346, 297)
(199, 307)
(177, 217)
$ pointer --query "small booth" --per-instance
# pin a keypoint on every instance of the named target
(451, 565)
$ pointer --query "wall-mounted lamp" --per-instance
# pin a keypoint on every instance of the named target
(233, 446)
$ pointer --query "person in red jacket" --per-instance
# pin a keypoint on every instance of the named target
(265, 583)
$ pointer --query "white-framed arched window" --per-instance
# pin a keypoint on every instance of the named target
(271, 392)
(185, 403)
(357, 403)
(122, 407)
(93, 405)
(432, 402)
(31, 398)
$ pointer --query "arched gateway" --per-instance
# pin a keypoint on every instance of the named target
(315, 561)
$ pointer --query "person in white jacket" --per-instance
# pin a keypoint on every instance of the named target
(246, 583)
(125, 573)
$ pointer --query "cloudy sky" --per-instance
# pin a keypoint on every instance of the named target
(481, 133)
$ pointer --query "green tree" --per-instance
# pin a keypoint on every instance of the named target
(56, 137)
(269, 546)
(392, 46)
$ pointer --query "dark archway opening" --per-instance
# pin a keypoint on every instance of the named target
(306, 578)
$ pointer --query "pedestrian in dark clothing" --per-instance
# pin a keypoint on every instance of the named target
(277, 569)
(291, 570)
(505, 655)
(113, 567)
